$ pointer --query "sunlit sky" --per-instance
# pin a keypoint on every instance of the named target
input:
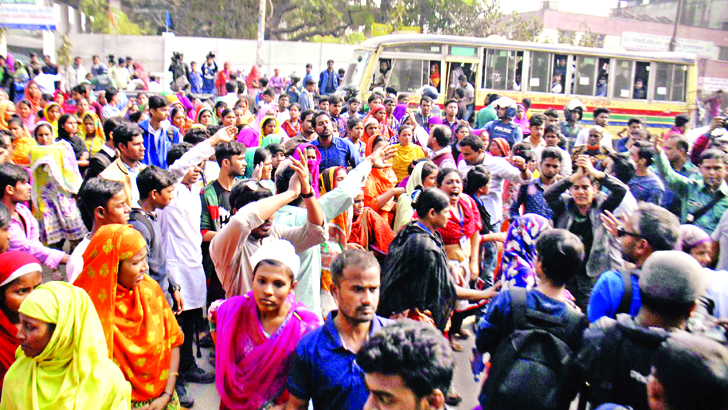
(598, 7)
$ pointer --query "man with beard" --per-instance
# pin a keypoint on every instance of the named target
(580, 211)
(216, 209)
(531, 195)
(705, 197)
(648, 229)
(335, 151)
(323, 368)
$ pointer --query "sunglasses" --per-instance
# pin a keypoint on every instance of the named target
(622, 232)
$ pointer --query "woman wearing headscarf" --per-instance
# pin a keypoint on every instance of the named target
(435, 75)
(250, 135)
(34, 95)
(7, 110)
(243, 116)
(419, 133)
(51, 113)
(499, 148)
(20, 274)
(205, 116)
(369, 230)
(407, 152)
(424, 175)
(56, 179)
(256, 157)
(434, 120)
(292, 125)
(270, 132)
(313, 159)
(223, 76)
(379, 113)
(68, 131)
(92, 132)
(72, 370)
(61, 98)
(252, 81)
(519, 251)
(22, 142)
(256, 334)
(24, 110)
(181, 120)
(140, 330)
(521, 119)
(339, 227)
(380, 186)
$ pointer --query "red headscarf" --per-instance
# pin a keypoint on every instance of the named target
(384, 129)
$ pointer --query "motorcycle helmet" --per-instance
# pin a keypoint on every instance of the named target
(572, 106)
(508, 104)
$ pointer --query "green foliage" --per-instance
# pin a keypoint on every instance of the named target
(347, 38)
(64, 52)
(98, 12)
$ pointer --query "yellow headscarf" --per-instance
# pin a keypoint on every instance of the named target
(4, 105)
(54, 124)
(94, 145)
(404, 157)
(74, 370)
(275, 137)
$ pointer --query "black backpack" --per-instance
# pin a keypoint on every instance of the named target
(533, 368)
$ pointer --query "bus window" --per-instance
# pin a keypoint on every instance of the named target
(622, 87)
(558, 77)
(585, 78)
(540, 78)
(404, 75)
(355, 72)
(456, 70)
(434, 78)
(501, 69)
(669, 82)
(642, 74)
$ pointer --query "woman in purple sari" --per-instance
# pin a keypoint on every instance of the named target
(256, 334)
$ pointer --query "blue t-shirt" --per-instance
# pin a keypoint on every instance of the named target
(511, 132)
(607, 294)
(648, 188)
(325, 371)
(340, 153)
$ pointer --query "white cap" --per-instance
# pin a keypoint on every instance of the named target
(278, 250)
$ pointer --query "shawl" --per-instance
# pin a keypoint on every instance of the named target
(457, 228)
(250, 135)
(74, 370)
(28, 121)
(34, 102)
(21, 150)
(274, 138)
(523, 123)
(435, 78)
(8, 345)
(341, 224)
(377, 183)
(139, 326)
(519, 250)
(66, 108)
(61, 169)
(371, 231)
(4, 106)
(99, 139)
(416, 275)
(252, 369)
(290, 128)
(399, 111)
(403, 159)
(54, 124)
(253, 77)
(384, 129)
(248, 117)
(202, 108)
(503, 145)
(313, 165)
(139, 69)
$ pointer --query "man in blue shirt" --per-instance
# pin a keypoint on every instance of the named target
(335, 151)
(645, 185)
(159, 134)
(649, 229)
(504, 127)
(531, 195)
(323, 367)
(328, 80)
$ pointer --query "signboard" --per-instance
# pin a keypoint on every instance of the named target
(651, 42)
(712, 83)
(17, 2)
(27, 17)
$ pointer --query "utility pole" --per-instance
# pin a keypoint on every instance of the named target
(261, 31)
(673, 40)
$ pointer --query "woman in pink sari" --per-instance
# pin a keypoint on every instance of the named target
(255, 334)
(313, 159)
(250, 134)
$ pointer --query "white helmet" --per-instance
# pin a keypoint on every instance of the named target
(574, 105)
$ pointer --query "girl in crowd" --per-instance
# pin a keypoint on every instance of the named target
(434, 120)
(270, 132)
(219, 107)
(292, 126)
(313, 159)
(56, 180)
(369, 230)
(65, 363)
(22, 142)
(181, 120)
(379, 113)
(20, 274)
(26, 113)
(227, 117)
(380, 186)
(339, 227)
(68, 132)
(242, 113)
(82, 107)
(255, 334)
(697, 243)
(371, 130)
(250, 136)
(424, 175)
(34, 97)
(521, 120)
(406, 153)
(461, 236)
(417, 282)
(141, 332)
(461, 131)
(204, 116)
(519, 252)
(51, 113)
(260, 163)
(7, 110)
(435, 76)
(92, 132)
(61, 98)
(419, 134)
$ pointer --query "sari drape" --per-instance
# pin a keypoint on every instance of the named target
(98, 138)
(405, 156)
(519, 250)
(377, 183)
(139, 326)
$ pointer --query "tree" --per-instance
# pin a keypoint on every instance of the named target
(110, 21)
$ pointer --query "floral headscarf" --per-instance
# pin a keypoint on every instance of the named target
(519, 250)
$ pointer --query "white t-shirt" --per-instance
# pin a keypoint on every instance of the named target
(74, 266)
(581, 139)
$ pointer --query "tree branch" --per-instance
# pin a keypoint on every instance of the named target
(319, 32)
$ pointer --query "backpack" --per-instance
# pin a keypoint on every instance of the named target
(137, 215)
(533, 367)
(626, 303)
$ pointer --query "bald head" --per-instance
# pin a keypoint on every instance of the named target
(672, 278)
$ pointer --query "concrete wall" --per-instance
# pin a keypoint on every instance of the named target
(155, 52)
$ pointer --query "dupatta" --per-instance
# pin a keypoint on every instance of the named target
(99, 139)
(341, 224)
(251, 368)
(61, 169)
(139, 326)
(384, 129)
(313, 165)
(74, 370)
(377, 183)
(519, 250)
(4, 106)
(34, 102)
(404, 157)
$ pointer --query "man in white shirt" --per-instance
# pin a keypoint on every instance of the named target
(46, 82)
(102, 202)
(231, 97)
(601, 118)
(550, 139)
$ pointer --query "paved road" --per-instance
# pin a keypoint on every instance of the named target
(206, 397)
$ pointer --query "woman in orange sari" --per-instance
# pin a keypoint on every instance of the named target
(380, 187)
(141, 332)
(379, 113)
(435, 76)
(369, 230)
(34, 95)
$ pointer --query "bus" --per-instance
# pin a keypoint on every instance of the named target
(652, 86)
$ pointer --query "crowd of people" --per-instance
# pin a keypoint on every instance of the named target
(329, 252)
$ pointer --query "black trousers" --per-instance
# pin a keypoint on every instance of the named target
(187, 320)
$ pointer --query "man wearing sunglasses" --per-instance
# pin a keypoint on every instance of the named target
(648, 229)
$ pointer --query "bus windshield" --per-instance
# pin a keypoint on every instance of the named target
(355, 71)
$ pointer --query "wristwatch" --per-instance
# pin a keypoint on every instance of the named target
(308, 195)
(176, 288)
